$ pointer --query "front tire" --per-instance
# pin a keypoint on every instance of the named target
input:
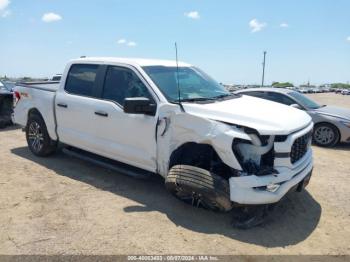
(325, 135)
(199, 187)
(38, 139)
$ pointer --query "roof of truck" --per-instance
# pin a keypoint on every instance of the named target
(131, 61)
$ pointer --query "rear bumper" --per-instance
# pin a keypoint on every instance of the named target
(251, 190)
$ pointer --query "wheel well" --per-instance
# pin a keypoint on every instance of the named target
(202, 156)
(34, 111)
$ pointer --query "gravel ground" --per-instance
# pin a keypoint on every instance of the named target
(61, 205)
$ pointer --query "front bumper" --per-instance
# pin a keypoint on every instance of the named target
(250, 190)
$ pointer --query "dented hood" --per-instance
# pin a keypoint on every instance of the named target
(268, 118)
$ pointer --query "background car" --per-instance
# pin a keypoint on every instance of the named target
(332, 124)
(303, 90)
(6, 99)
(56, 78)
(345, 92)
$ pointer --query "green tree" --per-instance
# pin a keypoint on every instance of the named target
(282, 85)
(340, 85)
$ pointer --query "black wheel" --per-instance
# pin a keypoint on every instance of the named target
(199, 187)
(325, 135)
(38, 139)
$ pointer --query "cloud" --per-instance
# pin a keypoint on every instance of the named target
(121, 41)
(6, 13)
(284, 25)
(132, 44)
(256, 26)
(193, 15)
(51, 17)
(4, 4)
(348, 39)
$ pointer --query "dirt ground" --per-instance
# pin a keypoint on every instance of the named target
(61, 205)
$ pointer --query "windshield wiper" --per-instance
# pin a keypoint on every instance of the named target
(197, 99)
(225, 96)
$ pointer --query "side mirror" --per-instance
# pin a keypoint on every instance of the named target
(296, 106)
(140, 106)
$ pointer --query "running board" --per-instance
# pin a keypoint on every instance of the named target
(114, 165)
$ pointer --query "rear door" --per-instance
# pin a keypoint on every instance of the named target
(75, 107)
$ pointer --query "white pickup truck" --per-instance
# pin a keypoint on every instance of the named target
(214, 149)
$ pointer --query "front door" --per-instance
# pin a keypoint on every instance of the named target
(128, 138)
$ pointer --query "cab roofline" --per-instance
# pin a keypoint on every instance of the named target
(130, 61)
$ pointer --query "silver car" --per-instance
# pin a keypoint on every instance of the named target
(332, 124)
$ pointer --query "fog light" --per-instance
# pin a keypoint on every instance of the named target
(272, 187)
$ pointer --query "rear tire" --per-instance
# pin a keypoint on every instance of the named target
(38, 139)
(199, 187)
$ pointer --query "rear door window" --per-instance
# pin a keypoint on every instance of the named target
(81, 79)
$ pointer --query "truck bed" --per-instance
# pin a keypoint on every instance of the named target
(51, 86)
(38, 96)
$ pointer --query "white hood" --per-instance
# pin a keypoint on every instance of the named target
(268, 118)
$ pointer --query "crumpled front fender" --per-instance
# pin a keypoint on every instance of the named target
(176, 128)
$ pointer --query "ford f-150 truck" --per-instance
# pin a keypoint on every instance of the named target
(213, 148)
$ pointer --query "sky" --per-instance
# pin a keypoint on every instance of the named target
(305, 40)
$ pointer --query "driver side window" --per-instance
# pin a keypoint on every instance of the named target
(121, 83)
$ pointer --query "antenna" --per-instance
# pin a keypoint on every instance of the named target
(177, 80)
(263, 75)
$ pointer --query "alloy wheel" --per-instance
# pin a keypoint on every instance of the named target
(324, 135)
(35, 137)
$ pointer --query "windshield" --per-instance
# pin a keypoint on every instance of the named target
(304, 100)
(194, 84)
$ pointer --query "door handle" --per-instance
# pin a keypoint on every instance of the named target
(101, 113)
(62, 105)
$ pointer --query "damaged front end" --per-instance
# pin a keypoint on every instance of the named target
(256, 155)
(260, 168)
(271, 166)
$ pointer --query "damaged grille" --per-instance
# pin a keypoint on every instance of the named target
(300, 147)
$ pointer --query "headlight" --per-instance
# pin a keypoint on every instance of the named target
(346, 123)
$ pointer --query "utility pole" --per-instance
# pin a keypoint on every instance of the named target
(263, 75)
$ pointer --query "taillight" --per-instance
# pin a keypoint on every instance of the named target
(16, 98)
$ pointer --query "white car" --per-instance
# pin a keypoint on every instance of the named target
(213, 148)
(345, 92)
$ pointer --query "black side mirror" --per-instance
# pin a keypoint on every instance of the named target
(140, 105)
